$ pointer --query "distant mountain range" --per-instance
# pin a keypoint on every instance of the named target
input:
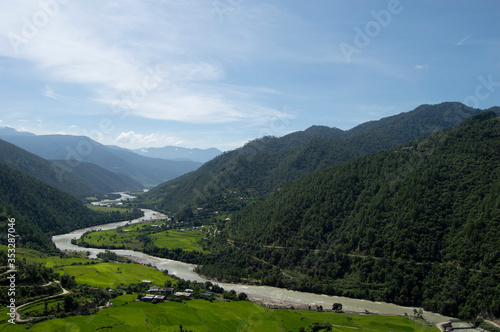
(83, 180)
(179, 153)
(267, 164)
(73, 151)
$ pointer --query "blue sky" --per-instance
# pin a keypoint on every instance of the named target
(217, 73)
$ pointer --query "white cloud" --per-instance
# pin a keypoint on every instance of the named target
(132, 139)
(83, 43)
(50, 93)
(420, 67)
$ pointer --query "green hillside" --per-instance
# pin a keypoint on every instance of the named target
(200, 315)
(264, 165)
(415, 225)
(42, 211)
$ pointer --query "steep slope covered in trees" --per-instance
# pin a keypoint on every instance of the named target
(417, 225)
(267, 164)
(42, 211)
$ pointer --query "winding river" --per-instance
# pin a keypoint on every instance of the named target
(186, 271)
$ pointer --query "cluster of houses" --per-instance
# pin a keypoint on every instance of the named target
(181, 229)
(157, 294)
(161, 294)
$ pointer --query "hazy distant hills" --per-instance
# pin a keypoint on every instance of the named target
(80, 181)
(269, 163)
(6, 131)
(179, 153)
(74, 150)
(101, 180)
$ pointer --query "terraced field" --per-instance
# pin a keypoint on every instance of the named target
(113, 274)
(200, 315)
(132, 238)
(96, 273)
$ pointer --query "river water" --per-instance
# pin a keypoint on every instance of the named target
(186, 271)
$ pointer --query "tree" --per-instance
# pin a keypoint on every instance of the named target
(337, 307)
(70, 303)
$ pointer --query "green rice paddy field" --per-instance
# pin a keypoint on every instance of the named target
(107, 209)
(96, 273)
(199, 315)
(127, 237)
(113, 274)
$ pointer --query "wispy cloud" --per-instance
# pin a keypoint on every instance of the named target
(133, 139)
(463, 40)
(420, 67)
(50, 93)
(82, 45)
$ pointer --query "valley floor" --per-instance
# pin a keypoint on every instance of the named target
(127, 314)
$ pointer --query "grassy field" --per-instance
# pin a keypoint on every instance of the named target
(185, 240)
(199, 315)
(96, 273)
(127, 237)
(106, 209)
(113, 237)
(113, 274)
(41, 305)
(38, 309)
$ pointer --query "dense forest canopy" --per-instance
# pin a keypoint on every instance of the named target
(42, 211)
(418, 224)
(267, 164)
(415, 225)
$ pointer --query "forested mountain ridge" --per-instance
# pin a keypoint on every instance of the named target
(269, 163)
(416, 225)
(41, 211)
(84, 180)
